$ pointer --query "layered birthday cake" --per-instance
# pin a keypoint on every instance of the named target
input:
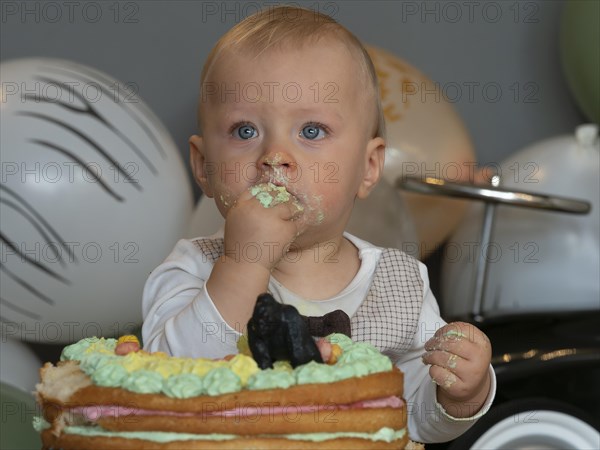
(109, 394)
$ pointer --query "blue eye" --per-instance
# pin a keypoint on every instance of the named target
(245, 132)
(313, 131)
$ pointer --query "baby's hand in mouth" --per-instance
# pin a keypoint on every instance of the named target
(270, 195)
(266, 217)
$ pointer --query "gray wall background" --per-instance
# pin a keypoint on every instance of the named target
(477, 46)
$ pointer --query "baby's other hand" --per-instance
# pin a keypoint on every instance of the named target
(258, 234)
(460, 354)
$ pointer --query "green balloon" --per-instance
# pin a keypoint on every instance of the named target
(18, 410)
(580, 54)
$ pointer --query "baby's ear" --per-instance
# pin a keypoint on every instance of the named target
(374, 160)
(198, 163)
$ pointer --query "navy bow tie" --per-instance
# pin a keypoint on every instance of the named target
(334, 322)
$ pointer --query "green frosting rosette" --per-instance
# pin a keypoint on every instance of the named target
(110, 375)
(271, 379)
(184, 385)
(222, 380)
(143, 382)
(314, 372)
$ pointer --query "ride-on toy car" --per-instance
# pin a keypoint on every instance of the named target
(547, 363)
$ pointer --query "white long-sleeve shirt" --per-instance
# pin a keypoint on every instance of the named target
(181, 319)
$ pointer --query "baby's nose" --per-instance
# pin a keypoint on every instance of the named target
(278, 167)
(275, 160)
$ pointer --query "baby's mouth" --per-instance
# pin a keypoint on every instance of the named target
(277, 177)
(270, 194)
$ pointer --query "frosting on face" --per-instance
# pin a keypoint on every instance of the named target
(269, 195)
(189, 377)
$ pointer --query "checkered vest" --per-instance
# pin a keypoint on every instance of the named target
(389, 316)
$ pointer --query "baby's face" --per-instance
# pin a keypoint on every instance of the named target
(301, 118)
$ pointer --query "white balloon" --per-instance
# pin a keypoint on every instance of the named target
(19, 365)
(539, 261)
(93, 196)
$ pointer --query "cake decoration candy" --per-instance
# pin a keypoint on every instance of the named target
(127, 344)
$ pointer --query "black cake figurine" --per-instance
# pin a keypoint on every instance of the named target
(278, 332)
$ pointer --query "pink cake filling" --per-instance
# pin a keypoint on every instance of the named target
(93, 413)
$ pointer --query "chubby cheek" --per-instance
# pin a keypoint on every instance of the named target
(324, 202)
(228, 180)
(224, 195)
(314, 208)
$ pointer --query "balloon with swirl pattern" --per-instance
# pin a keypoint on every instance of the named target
(93, 196)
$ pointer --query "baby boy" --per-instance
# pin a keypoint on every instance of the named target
(291, 134)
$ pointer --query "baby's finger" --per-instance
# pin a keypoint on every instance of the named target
(458, 385)
(459, 347)
(445, 379)
(448, 361)
(457, 333)
(290, 210)
(244, 196)
(465, 349)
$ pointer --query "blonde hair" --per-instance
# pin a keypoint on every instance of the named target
(284, 25)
